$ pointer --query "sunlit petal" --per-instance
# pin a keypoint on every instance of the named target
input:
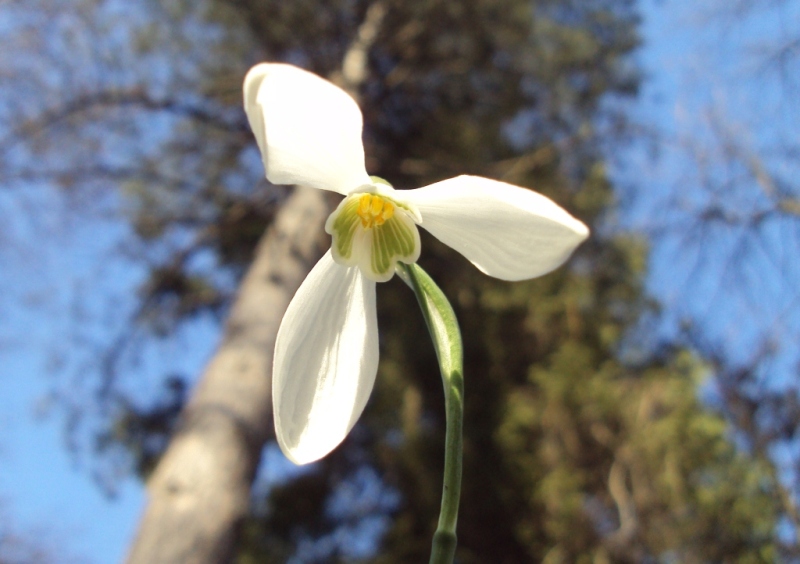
(326, 359)
(506, 231)
(308, 130)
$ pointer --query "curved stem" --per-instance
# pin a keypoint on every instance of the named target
(443, 327)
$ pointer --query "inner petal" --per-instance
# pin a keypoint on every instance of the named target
(373, 232)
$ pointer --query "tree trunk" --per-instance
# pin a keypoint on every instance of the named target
(200, 490)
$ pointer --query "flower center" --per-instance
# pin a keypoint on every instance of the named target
(374, 210)
(373, 232)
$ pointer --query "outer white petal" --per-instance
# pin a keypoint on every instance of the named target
(326, 358)
(308, 130)
(506, 231)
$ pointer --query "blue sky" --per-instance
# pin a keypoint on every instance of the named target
(709, 93)
(47, 491)
(51, 493)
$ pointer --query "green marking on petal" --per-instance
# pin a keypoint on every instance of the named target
(344, 228)
(404, 237)
(393, 241)
(377, 250)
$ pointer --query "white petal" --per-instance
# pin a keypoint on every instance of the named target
(326, 358)
(308, 130)
(506, 231)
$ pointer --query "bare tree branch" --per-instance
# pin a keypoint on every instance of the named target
(109, 99)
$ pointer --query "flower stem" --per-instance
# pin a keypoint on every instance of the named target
(443, 327)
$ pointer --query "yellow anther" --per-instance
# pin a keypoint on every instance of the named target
(363, 205)
(376, 207)
(374, 210)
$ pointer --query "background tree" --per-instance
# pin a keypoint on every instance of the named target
(585, 438)
(722, 212)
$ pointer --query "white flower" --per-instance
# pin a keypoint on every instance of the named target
(326, 352)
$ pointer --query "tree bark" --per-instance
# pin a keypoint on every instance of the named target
(200, 490)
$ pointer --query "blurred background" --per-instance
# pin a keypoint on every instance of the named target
(640, 404)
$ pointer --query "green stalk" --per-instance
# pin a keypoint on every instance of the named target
(443, 327)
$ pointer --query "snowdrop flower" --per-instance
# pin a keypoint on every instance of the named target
(326, 352)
